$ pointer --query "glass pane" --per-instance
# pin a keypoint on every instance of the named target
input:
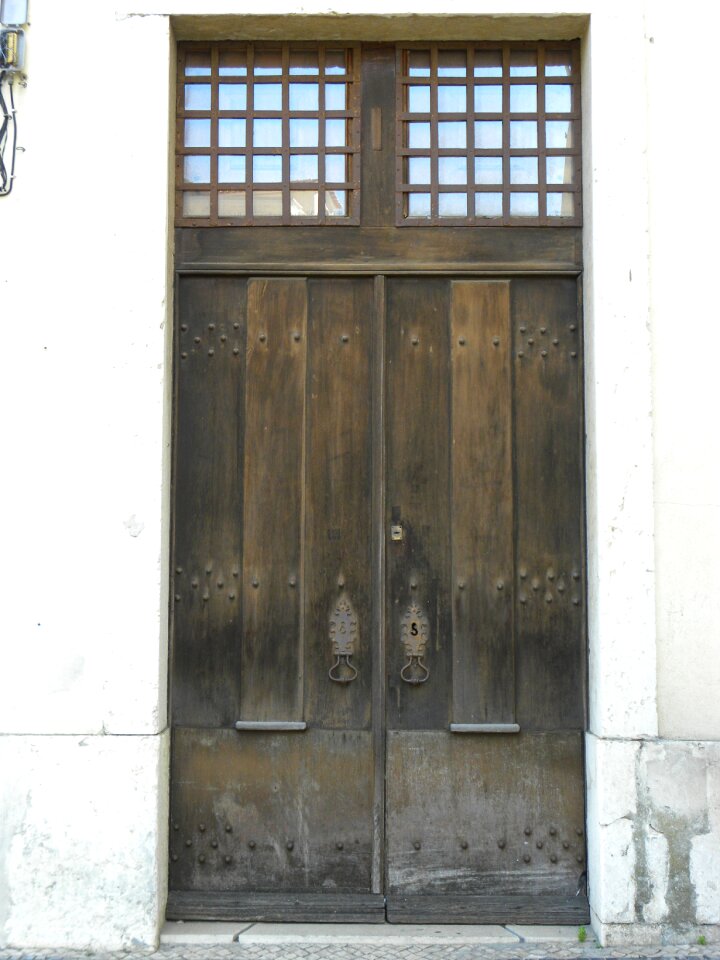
(197, 96)
(418, 169)
(452, 134)
(267, 169)
(197, 65)
(335, 133)
(488, 63)
(196, 169)
(560, 205)
(231, 203)
(558, 98)
(231, 169)
(452, 205)
(523, 204)
(335, 97)
(196, 204)
(558, 134)
(523, 63)
(197, 133)
(304, 63)
(336, 203)
(303, 133)
(419, 64)
(268, 96)
(452, 63)
(523, 134)
(303, 203)
(488, 134)
(267, 203)
(303, 166)
(335, 168)
(267, 63)
(452, 99)
(558, 63)
(304, 96)
(488, 170)
(488, 204)
(418, 99)
(418, 205)
(233, 96)
(559, 169)
(452, 170)
(523, 170)
(233, 64)
(334, 61)
(231, 133)
(418, 135)
(523, 99)
(268, 133)
(488, 99)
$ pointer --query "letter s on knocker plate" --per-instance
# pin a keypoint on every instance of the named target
(343, 636)
(414, 635)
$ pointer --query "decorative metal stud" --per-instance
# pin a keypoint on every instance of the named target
(526, 858)
(552, 831)
(555, 341)
(202, 828)
(531, 341)
(543, 329)
(211, 326)
(211, 352)
(415, 341)
(251, 844)
(178, 570)
(561, 587)
(535, 584)
(539, 844)
(520, 353)
(214, 844)
(208, 571)
(575, 575)
(255, 583)
(341, 582)
(339, 845)
(236, 351)
(500, 585)
(176, 826)
(496, 341)
(174, 857)
(228, 859)
(194, 584)
(417, 844)
(236, 326)
(573, 354)
(573, 326)
(576, 602)
(296, 335)
(461, 341)
(183, 327)
(464, 844)
(206, 597)
(548, 597)
(344, 338)
(461, 584)
(413, 584)
(223, 338)
(501, 844)
(527, 831)
(290, 845)
(183, 356)
(201, 858)
(196, 339)
(236, 573)
(228, 828)
(220, 584)
(553, 858)
(579, 831)
(523, 329)
(523, 599)
(523, 573)
(579, 858)
(566, 845)
(543, 353)
(550, 573)
(262, 338)
(177, 598)
(292, 581)
(188, 843)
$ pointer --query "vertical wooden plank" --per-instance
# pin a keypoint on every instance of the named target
(338, 526)
(549, 504)
(271, 679)
(377, 193)
(482, 516)
(418, 484)
(207, 499)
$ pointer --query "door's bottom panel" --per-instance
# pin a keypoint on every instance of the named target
(271, 812)
(516, 908)
(499, 815)
(276, 908)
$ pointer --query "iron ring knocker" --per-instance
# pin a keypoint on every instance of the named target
(343, 637)
(341, 658)
(418, 662)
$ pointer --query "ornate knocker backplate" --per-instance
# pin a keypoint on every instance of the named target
(344, 637)
(414, 634)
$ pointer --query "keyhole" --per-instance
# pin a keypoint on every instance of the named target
(414, 629)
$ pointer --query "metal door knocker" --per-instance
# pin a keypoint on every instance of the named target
(343, 636)
(414, 634)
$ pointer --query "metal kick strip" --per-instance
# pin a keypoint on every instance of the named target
(287, 725)
(484, 728)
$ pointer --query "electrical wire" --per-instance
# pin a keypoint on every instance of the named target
(8, 118)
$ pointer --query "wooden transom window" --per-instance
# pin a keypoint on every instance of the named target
(267, 133)
(488, 133)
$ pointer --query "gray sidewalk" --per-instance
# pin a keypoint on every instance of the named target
(266, 941)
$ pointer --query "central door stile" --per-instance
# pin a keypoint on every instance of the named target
(378, 585)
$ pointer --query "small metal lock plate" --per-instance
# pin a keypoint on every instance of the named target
(396, 531)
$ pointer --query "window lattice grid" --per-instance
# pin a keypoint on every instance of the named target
(267, 133)
(488, 134)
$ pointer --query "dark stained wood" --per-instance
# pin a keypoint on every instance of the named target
(417, 497)
(272, 577)
(271, 812)
(471, 815)
(338, 517)
(207, 543)
(549, 505)
(377, 204)
(382, 249)
(515, 908)
(276, 908)
(482, 504)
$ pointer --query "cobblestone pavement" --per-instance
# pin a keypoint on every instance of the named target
(379, 951)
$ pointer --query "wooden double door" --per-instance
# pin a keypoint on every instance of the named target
(378, 656)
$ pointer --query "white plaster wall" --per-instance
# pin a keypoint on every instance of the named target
(685, 317)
